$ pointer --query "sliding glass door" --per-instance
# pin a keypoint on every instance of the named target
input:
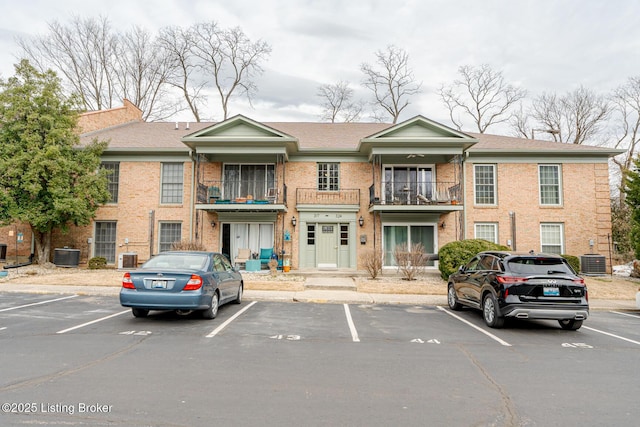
(394, 235)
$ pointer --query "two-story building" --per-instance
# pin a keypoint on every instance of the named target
(326, 193)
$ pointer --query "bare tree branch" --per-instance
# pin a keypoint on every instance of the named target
(178, 45)
(626, 109)
(231, 58)
(575, 118)
(393, 82)
(481, 94)
(337, 104)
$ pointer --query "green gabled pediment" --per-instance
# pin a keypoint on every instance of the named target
(240, 135)
(419, 128)
(238, 128)
(417, 136)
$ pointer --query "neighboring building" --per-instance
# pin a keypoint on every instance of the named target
(326, 193)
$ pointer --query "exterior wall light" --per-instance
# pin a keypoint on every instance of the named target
(294, 221)
(213, 224)
(361, 221)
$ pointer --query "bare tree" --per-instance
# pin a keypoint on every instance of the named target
(626, 109)
(576, 117)
(144, 73)
(178, 43)
(337, 104)
(230, 58)
(481, 94)
(82, 52)
(392, 81)
(104, 67)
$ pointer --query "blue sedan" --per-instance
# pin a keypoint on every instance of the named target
(184, 281)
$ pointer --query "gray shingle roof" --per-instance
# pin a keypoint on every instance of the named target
(311, 136)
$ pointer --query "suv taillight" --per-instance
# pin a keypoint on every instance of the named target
(510, 279)
(127, 282)
(193, 284)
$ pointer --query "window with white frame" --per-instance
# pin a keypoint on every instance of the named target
(328, 177)
(552, 238)
(484, 184)
(487, 231)
(172, 183)
(550, 183)
(169, 233)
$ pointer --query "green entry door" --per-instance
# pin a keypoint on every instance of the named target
(328, 245)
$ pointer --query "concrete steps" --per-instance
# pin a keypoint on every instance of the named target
(328, 283)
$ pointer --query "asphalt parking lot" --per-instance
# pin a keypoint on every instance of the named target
(84, 360)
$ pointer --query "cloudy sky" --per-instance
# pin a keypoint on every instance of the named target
(539, 45)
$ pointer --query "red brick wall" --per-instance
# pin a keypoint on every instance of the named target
(94, 120)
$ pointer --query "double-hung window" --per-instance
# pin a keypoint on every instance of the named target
(550, 182)
(172, 183)
(328, 177)
(170, 233)
(113, 179)
(484, 183)
(552, 238)
(487, 231)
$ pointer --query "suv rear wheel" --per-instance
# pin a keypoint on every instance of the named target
(490, 312)
(570, 324)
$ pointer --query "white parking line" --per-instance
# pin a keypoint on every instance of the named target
(37, 303)
(352, 327)
(611, 335)
(625, 314)
(92, 322)
(490, 335)
(3, 328)
(231, 319)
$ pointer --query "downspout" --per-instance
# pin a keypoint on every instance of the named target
(464, 192)
(193, 200)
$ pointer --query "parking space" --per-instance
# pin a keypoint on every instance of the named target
(24, 314)
(403, 355)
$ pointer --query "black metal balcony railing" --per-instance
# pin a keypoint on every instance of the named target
(308, 196)
(417, 193)
(245, 191)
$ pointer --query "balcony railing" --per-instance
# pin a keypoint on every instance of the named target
(312, 196)
(245, 191)
(417, 193)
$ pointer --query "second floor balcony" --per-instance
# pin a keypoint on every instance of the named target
(416, 193)
(225, 192)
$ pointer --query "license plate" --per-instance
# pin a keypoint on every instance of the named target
(159, 284)
(551, 292)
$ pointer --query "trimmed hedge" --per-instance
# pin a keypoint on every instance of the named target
(454, 254)
(97, 263)
(573, 261)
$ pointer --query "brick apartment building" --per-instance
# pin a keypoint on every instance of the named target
(324, 194)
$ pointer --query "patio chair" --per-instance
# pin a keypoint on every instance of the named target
(243, 256)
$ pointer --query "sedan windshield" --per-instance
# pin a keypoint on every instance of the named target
(529, 266)
(179, 261)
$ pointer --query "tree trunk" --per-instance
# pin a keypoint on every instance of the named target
(43, 246)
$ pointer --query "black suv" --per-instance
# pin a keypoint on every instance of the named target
(522, 286)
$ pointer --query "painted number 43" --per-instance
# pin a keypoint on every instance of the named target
(576, 345)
